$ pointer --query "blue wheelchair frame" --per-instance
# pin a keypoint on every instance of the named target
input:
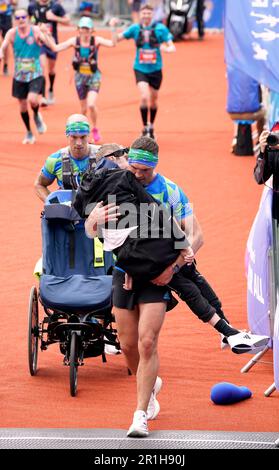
(75, 290)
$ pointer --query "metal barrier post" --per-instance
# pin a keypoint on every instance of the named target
(270, 390)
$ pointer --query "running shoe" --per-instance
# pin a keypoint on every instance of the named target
(224, 342)
(41, 126)
(43, 102)
(153, 405)
(245, 342)
(111, 349)
(139, 426)
(29, 138)
(96, 134)
(151, 132)
(145, 132)
(50, 98)
(5, 70)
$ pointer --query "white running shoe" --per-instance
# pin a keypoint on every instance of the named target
(111, 349)
(29, 138)
(50, 98)
(153, 405)
(224, 342)
(43, 102)
(41, 126)
(139, 426)
(245, 342)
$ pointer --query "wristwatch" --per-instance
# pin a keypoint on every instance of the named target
(175, 268)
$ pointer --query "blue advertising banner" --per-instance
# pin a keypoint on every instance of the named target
(252, 39)
(214, 14)
(257, 269)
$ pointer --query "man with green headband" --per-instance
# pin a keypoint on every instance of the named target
(68, 164)
(139, 306)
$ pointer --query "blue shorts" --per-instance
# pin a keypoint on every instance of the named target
(48, 52)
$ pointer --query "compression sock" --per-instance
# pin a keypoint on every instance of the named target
(221, 314)
(43, 91)
(35, 110)
(223, 327)
(26, 120)
(153, 112)
(144, 113)
(51, 81)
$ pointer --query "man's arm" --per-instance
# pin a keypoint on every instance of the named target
(63, 19)
(192, 228)
(168, 46)
(41, 186)
(9, 38)
(117, 37)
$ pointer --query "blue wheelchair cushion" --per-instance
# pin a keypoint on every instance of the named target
(76, 292)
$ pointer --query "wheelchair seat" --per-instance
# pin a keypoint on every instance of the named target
(76, 293)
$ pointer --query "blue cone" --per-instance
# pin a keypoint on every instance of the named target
(225, 393)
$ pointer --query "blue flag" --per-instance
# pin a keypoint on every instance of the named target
(252, 39)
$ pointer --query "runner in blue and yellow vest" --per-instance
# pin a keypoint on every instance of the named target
(149, 39)
(85, 63)
(26, 41)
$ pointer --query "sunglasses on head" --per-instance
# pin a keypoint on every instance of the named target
(22, 17)
(118, 153)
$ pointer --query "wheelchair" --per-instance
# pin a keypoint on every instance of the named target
(75, 286)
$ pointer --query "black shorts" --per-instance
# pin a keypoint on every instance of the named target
(144, 293)
(154, 79)
(5, 24)
(20, 90)
(48, 52)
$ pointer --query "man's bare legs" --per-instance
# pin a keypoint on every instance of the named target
(138, 332)
(127, 329)
(151, 318)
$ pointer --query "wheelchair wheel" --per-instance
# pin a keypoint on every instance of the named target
(73, 364)
(33, 331)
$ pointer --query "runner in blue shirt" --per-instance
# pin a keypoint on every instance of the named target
(150, 41)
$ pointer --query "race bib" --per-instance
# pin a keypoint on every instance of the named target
(85, 69)
(147, 56)
(26, 65)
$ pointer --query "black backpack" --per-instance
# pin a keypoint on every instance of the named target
(92, 59)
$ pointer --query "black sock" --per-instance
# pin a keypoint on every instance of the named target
(153, 112)
(144, 113)
(51, 81)
(35, 110)
(43, 91)
(223, 327)
(26, 120)
(221, 314)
